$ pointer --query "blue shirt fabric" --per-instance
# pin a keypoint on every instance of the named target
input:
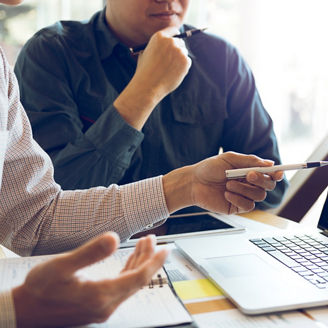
(70, 74)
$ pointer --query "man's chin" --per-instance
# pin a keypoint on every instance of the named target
(11, 2)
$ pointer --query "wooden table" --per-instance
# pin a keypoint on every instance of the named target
(271, 219)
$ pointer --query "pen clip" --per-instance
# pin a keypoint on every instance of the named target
(135, 52)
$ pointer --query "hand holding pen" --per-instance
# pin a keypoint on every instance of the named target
(161, 68)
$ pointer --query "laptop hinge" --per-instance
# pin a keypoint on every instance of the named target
(325, 232)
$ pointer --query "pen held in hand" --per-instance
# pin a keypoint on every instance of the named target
(241, 173)
(187, 34)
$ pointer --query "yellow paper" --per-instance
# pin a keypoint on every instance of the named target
(191, 289)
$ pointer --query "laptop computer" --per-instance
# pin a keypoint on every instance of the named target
(264, 272)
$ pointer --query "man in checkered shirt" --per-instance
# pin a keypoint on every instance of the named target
(37, 217)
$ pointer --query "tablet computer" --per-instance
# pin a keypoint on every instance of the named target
(193, 224)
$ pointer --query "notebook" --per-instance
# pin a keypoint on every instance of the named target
(266, 272)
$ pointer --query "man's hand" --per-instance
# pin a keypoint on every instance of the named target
(54, 296)
(205, 184)
(161, 68)
(164, 63)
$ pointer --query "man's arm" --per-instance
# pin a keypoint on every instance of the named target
(100, 155)
(49, 90)
(55, 221)
(161, 69)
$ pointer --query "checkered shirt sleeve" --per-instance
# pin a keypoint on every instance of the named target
(37, 217)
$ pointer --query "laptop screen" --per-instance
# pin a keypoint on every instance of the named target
(323, 221)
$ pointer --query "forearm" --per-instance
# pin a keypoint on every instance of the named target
(136, 103)
(75, 217)
(98, 157)
(161, 68)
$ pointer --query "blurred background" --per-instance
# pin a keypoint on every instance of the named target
(283, 41)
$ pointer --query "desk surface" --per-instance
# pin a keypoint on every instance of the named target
(271, 219)
(217, 311)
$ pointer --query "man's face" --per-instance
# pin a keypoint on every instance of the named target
(135, 21)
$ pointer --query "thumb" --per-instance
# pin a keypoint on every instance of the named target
(92, 252)
(170, 31)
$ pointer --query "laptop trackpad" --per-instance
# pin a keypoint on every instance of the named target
(240, 265)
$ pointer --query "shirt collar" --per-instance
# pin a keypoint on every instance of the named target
(105, 38)
(107, 41)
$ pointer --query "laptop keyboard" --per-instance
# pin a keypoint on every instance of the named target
(307, 255)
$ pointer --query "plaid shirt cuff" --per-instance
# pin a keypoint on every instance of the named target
(144, 204)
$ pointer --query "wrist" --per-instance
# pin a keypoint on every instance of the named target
(135, 104)
(26, 309)
(178, 187)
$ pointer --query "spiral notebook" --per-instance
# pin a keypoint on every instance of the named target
(155, 305)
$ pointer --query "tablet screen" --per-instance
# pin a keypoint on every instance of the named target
(194, 223)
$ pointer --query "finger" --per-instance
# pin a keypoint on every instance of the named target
(243, 161)
(179, 43)
(277, 176)
(170, 31)
(92, 252)
(131, 281)
(250, 191)
(262, 180)
(144, 249)
(132, 258)
(241, 203)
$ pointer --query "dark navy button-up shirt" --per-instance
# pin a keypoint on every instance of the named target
(70, 74)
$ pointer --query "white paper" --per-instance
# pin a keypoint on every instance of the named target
(235, 319)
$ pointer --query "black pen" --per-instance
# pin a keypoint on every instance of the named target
(136, 50)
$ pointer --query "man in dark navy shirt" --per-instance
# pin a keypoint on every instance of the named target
(106, 116)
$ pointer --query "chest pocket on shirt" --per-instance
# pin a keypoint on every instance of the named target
(198, 101)
(3, 147)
